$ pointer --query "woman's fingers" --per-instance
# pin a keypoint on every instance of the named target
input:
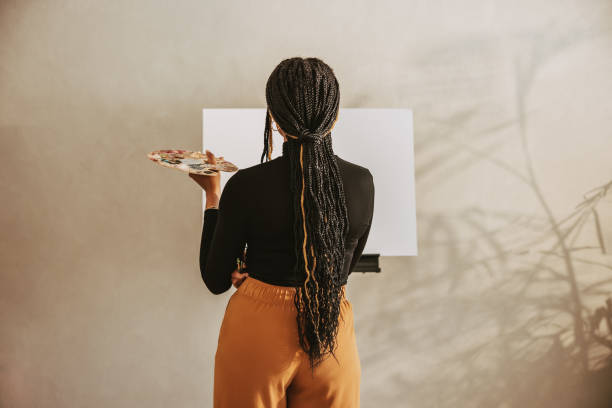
(237, 274)
(238, 278)
(210, 157)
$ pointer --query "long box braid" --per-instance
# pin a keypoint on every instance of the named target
(303, 98)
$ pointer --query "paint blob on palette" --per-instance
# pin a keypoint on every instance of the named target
(190, 161)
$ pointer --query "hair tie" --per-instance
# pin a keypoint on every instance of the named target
(311, 137)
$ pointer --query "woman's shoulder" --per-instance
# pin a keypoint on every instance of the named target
(357, 179)
(353, 169)
(251, 175)
(256, 170)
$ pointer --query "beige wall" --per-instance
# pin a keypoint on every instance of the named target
(101, 300)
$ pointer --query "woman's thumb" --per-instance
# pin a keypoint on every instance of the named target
(210, 157)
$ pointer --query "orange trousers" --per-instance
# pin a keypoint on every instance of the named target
(259, 361)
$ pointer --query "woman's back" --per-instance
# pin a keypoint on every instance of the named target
(256, 209)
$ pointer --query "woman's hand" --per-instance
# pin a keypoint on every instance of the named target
(210, 184)
(238, 278)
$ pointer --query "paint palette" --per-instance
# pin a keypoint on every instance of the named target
(190, 161)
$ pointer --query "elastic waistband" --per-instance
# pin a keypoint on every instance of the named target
(279, 295)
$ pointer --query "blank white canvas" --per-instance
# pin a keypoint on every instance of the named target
(378, 139)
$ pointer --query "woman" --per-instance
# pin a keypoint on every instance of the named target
(305, 217)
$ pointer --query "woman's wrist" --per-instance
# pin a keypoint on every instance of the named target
(212, 201)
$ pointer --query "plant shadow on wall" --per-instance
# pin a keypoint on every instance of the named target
(544, 327)
(513, 309)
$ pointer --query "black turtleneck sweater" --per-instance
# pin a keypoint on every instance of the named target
(255, 209)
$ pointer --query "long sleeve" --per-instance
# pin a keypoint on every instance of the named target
(364, 237)
(223, 237)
